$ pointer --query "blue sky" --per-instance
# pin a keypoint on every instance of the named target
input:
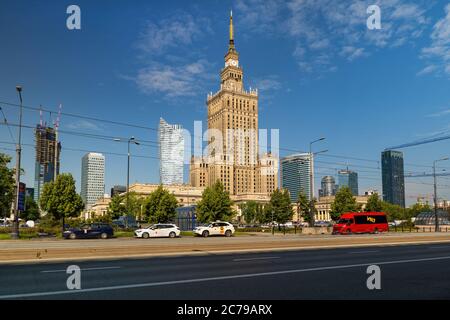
(319, 71)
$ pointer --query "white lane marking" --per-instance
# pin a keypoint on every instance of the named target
(259, 258)
(85, 269)
(367, 251)
(239, 276)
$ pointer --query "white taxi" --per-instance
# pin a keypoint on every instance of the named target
(218, 228)
(158, 230)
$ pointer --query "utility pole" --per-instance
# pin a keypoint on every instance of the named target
(436, 219)
(15, 231)
(311, 178)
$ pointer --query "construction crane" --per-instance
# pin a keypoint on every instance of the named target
(56, 125)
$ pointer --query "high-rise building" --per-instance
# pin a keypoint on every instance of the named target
(328, 187)
(348, 178)
(393, 178)
(117, 189)
(233, 157)
(295, 175)
(47, 158)
(171, 153)
(92, 178)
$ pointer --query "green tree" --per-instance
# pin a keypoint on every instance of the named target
(418, 208)
(60, 199)
(6, 185)
(394, 212)
(250, 211)
(31, 210)
(280, 204)
(117, 207)
(344, 202)
(374, 203)
(160, 206)
(303, 207)
(215, 204)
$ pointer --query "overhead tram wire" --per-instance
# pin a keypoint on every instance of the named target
(144, 142)
(41, 109)
(90, 150)
(7, 124)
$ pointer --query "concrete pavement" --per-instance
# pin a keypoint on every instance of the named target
(66, 250)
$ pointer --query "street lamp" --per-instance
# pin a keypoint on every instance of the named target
(311, 175)
(436, 222)
(15, 231)
(130, 140)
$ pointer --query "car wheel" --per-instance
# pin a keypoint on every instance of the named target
(376, 231)
(205, 234)
(104, 235)
(349, 231)
(145, 235)
(228, 233)
(73, 236)
(172, 235)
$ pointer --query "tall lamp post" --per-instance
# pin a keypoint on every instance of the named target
(15, 231)
(436, 220)
(130, 140)
(311, 175)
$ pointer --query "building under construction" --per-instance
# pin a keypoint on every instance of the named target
(48, 150)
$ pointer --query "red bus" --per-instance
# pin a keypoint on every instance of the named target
(361, 222)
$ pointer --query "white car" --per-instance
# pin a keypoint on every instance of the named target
(218, 228)
(158, 230)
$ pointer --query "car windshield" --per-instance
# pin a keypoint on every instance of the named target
(344, 221)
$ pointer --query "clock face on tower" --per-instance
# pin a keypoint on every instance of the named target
(231, 62)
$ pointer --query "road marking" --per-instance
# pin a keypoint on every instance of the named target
(260, 258)
(239, 276)
(367, 251)
(85, 269)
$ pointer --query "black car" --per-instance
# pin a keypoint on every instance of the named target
(89, 231)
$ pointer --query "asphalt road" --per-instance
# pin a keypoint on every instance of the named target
(407, 272)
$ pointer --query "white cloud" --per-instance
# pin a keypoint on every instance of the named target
(173, 81)
(440, 113)
(84, 125)
(438, 53)
(171, 32)
(337, 28)
(427, 70)
(268, 84)
(351, 53)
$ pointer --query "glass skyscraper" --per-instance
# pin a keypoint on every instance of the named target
(171, 153)
(347, 178)
(295, 171)
(328, 187)
(92, 178)
(393, 177)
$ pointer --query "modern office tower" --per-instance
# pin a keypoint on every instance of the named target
(393, 178)
(233, 157)
(295, 175)
(349, 179)
(92, 178)
(47, 158)
(328, 187)
(117, 189)
(171, 153)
